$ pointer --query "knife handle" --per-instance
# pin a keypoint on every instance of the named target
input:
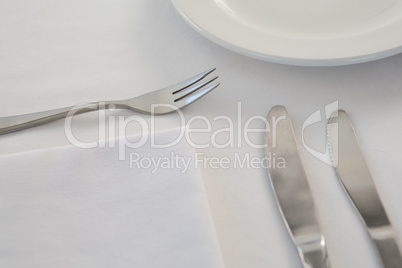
(312, 251)
(384, 239)
(388, 247)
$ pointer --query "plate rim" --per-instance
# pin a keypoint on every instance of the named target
(270, 57)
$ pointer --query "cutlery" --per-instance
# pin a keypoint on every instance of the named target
(292, 191)
(353, 172)
(157, 102)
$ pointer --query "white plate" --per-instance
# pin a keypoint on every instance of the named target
(306, 32)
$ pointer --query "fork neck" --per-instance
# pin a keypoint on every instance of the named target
(116, 104)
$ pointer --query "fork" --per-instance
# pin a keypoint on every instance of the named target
(158, 102)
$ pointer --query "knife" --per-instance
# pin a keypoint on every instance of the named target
(353, 172)
(292, 191)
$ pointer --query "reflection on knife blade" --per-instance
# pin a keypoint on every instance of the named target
(355, 176)
(293, 193)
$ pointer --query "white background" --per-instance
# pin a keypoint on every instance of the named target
(55, 54)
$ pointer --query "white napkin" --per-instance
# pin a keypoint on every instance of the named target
(72, 207)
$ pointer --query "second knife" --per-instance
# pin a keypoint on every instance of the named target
(359, 185)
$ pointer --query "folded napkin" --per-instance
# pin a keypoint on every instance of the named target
(74, 207)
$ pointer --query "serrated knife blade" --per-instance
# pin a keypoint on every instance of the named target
(358, 184)
(292, 191)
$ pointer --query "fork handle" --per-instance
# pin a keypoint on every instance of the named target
(19, 122)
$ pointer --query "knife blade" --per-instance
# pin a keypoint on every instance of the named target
(353, 172)
(292, 191)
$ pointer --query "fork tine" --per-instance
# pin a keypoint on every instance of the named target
(191, 81)
(185, 92)
(195, 96)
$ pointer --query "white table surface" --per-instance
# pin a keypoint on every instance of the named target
(60, 54)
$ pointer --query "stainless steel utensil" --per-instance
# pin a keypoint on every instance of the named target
(358, 184)
(293, 193)
(176, 96)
